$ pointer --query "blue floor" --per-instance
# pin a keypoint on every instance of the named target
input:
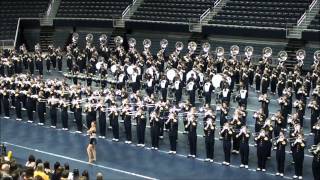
(25, 138)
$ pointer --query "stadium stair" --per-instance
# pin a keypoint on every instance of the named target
(291, 48)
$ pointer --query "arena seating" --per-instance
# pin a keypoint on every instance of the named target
(92, 9)
(14, 9)
(315, 23)
(172, 10)
(263, 13)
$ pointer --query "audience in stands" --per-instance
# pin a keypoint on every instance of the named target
(38, 170)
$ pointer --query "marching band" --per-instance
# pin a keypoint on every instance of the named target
(122, 77)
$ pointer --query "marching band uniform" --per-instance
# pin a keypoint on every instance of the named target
(41, 107)
(316, 164)
(316, 130)
(39, 64)
(242, 97)
(273, 82)
(262, 146)
(314, 107)
(298, 157)
(191, 89)
(209, 128)
(64, 115)
(280, 87)
(6, 104)
(31, 65)
(155, 130)
(178, 90)
(113, 116)
(260, 118)
(192, 136)
(30, 107)
(59, 59)
(244, 148)
(223, 114)
(127, 123)
(226, 94)
(48, 63)
(164, 89)
(141, 127)
(264, 83)
(53, 111)
(257, 78)
(69, 61)
(150, 86)
(280, 155)
(207, 89)
(227, 134)
(91, 114)
(102, 121)
(173, 134)
(18, 105)
(78, 115)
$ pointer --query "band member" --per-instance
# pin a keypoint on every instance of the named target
(264, 83)
(30, 107)
(91, 113)
(280, 145)
(314, 107)
(6, 103)
(209, 129)
(164, 88)
(64, 114)
(298, 155)
(155, 130)
(59, 59)
(226, 133)
(127, 122)
(48, 62)
(178, 86)
(316, 161)
(244, 136)
(224, 110)
(191, 89)
(262, 152)
(236, 123)
(91, 149)
(284, 109)
(41, 108)
(113, 116)
(141, 126)
(260, 118)
(77, 113)
(207, 89)
(280, 86)
(242, 96)
(226, 95)
(172, 123)
(316, 130)
(18, 105)
(102, 119)
(53, 104)
(264, 104)
(278, 123)
(192, 135)
(273, 82)
(257, 77)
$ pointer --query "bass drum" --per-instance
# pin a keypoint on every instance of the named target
(218, 78)
(171, 74)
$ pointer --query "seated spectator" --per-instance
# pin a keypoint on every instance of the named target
(65, 175)
(38, 161)
(40, 172)
(5, 170)
(57, 173)
(85, 173)
(76, 174)
(47, 169)
(31, 162)
(99, 176)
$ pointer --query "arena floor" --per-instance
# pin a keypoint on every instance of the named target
(118, 160)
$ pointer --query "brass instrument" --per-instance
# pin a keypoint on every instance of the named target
(314, 149)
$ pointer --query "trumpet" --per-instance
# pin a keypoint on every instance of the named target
(210, 125)
(314, 149)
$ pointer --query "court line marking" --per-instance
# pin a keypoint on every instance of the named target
(83, 162)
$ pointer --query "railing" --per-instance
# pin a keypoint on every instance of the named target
(6, 43)
(216, 3)
(314, 2)
(17, 33)
(125, 12)
(246, 27)
(204, 15)
(302, 18)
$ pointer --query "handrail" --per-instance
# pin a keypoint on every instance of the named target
(245, 27)
(126, 10)
(203, 15)
(301, 18)
(17, 32)
(312, 4)
(216, 3)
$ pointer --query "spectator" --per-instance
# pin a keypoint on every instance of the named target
(5, 169)
(76, 174)
(65, 175)
(40, 172)
(31, 162)
(99, 176)
(38, 161)
(85, 173)
(47, 169)
(57, 173)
